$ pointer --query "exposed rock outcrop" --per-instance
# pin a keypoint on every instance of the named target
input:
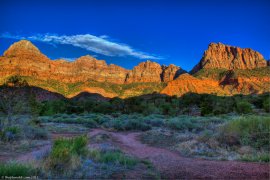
(25, 59)
(220, 56)
(145, 72)
(226, 70)
(171, 72)
(186, 83)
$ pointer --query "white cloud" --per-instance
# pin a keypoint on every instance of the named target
(67, 59)
(100, 45)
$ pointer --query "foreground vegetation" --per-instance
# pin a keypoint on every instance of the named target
(244, 137)
(205, 126)
(224, 138)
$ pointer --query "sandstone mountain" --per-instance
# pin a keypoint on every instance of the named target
(221, 56)
(187, 83)
(223, 70)
(153, 72)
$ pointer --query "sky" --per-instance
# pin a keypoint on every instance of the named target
(129, 32)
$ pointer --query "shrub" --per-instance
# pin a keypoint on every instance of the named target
(127, 122)
(103, 107)
(16, 169)
(261, 157)
(206, 109)
(65, 152)
(249, 130)
(35, 132)
(182, 123)
(10, 133)
(154, 121)
(266, 105)
(134, 124)
(243, 107)
(115, 157)
(168, 109)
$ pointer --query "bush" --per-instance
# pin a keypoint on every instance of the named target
(10, 133)
(35, 132)
(65, 152)
(103, 107)
(266, 105)
(122, 124)
(115, 157)
(182, 123)
(134, 124)
(250, 130)
(206, 109)
(16, 169)
(168, 109)
(243, 107)
(261, 157)
(153, 120)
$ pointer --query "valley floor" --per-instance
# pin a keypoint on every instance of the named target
(170, 164)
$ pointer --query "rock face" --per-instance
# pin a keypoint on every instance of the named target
(171, 72)
(221, 56)
(25, 59)
(232, 82)
(186, 83)
(145, 72)
(22, 48)
(153, 72)
(226, 70)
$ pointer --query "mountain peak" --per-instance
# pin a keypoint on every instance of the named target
(90, 61)
(21, 48)
(221, 56)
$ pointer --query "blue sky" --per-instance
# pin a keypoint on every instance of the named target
(128, 32)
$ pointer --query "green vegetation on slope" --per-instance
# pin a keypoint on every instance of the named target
(122, 90)
(218, 74)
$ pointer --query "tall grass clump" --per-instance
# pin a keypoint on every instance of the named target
(66, 153)
(16, 169)
(249, 130)
(260, 157)
(114, 157)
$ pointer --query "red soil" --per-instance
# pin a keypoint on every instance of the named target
(170, 164)
(173, 166)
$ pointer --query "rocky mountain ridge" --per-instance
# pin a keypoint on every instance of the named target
(25, 59)
(222, 56)
(96, 76)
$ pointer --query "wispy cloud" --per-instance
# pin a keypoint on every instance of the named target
(101, 45)
(67, 59)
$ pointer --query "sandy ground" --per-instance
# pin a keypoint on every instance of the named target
(170, 164)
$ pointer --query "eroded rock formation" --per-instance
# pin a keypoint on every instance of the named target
(226, 70)
(220, 56)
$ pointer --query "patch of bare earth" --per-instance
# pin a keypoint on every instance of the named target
(172, 165)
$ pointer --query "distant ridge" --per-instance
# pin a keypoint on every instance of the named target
(223, 70)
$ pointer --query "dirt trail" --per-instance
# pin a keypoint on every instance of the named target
(39, 152)
(172, 165)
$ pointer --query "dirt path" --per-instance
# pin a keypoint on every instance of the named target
(41, 151)
(172, 165)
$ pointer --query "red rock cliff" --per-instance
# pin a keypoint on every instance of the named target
(228, 57)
